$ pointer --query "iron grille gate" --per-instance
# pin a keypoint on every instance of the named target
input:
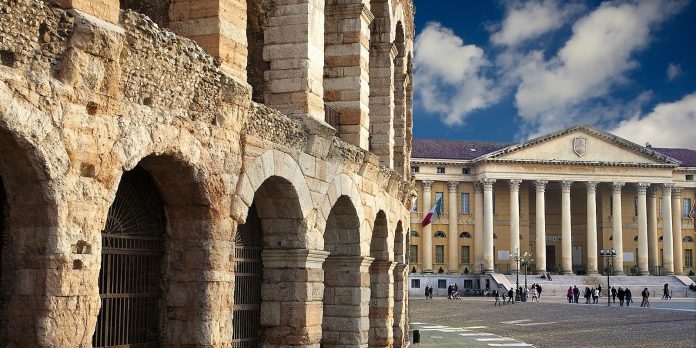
(129, 279)
(246, 316)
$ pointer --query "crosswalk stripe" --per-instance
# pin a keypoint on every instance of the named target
(475, 327)
(515, 321)
(532, 324)
(495, 339)
(517, 344)
(476, 334)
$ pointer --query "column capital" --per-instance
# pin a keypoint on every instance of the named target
(540, 185)
(667, 189)
(453, 186)
(351, 11)
(676, 192)
(478, 188)
(652, 191)
(427, 184)
(642, 187)
(293, 258)
(616, 186)
(565, 185)
(487, 183)
(350, 263)
(591, 186)
(515, 184)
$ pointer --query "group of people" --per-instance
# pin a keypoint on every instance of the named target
(453, 292)
(428, 292)
(625, 295)
(589, 293)
(510, 297)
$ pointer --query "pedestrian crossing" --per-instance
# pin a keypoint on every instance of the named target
(471, 334)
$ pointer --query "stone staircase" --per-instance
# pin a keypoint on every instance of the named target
(559, 284)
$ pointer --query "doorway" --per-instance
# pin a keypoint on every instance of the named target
(550, 258)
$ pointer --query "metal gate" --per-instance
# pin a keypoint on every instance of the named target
(130, 275)
(246, 316)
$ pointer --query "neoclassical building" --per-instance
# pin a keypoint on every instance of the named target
(213, 173)
(562, 197)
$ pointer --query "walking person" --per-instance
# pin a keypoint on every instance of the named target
(595, 296)
(538, 288)
(587, 295)
(576, 294)
(666, 295)
(570, 294)
(497, 299)
(510, 296)
(427, 292)
(534, 294)
(629, 296)
(646, 295)
(599, 287)
(613, 293)
(620, 293)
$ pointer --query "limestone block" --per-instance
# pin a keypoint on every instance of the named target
(270, 313)
(107, 10)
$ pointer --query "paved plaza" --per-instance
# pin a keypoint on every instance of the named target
(476, 322)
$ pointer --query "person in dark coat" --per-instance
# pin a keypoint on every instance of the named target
(538, 288)
(427, 292)
(629, 296)
(588, 294)
(646, 295)
(613, 293)
(621, 293)
(510, 296)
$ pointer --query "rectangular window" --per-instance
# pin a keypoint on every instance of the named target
(611, 206)
(689, 177)
(493, 203)
(439, 254)
(686, 211)
(688, 258)
(415, 206)
(439, 196)
(465, 171)
(635, 206)
(415, 283)
(413, 254)
(442, 283)
(441, 170)
(415, 169)
(662, 208)
(465, 254)
(465, 203)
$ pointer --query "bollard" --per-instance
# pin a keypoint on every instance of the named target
(416, 336)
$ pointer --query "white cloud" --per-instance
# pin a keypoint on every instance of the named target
(673, 71)
(595, 59)
(668, 125)
(448, 74)
(528, 20)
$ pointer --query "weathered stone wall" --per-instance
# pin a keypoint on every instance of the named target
(83, 100)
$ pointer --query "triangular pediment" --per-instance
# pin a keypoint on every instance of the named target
(581, 144)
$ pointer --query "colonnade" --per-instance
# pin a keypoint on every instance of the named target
(672, 262)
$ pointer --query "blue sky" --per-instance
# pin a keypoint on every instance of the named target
(506, 71)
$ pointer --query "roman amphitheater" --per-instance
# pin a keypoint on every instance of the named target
(216, 173)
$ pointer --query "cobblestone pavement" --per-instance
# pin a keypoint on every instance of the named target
(476, 322)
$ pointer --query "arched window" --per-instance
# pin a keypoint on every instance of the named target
(661, 238)
(415, 234)
(611, 237)
(635, 238)
(440, 234)
(465, 235)
(688, 239)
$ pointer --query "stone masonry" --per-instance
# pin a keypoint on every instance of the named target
(93, 92)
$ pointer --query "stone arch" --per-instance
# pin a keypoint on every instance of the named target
(343, 185)
(28, 220)
(346, 296)
(381, 284)
(181, 250)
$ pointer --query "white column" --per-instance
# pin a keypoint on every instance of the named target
(540, 226)
(667, 246)
(677, 231)
(514, 219)
(566, 239)
(478, 224)
(427, 230)
(591, 227)
(488, 260)
(617, 227)
(653, 262)
(642, 229)
(453, 260)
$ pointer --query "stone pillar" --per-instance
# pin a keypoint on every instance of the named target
(642, 229)
(381, 304)
(346, 311)
(107, 10)
(677, 231)
(427, 230)
(540, 226)
(346, 69)
(452, 235)
(591, 227)
(382, 102)
(400, 127)
(566, 236)
(488, 257)
(617, 227)
(478, 224)
(653, 261)
(667, 244)
(218, 26)
(515, 219)
(294, 46)
(291, 297)
(400, 301)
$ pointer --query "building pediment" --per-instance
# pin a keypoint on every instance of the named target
(581, 145)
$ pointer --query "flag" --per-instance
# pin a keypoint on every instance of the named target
(435, 210)
(692, 215)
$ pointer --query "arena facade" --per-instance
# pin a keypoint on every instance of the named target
(217, 173)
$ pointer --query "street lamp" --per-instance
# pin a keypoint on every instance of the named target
(516, 257)
(526, 259)
(608, 255)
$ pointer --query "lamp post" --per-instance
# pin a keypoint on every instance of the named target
(608, 255)
(516, 257)
(526, 259)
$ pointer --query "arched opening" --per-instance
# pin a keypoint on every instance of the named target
(382, 54)
(257, 17)
(400, 287)
(381, 285)
(130, 278)
(157, 10)
(344, 298)
(274, 222)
